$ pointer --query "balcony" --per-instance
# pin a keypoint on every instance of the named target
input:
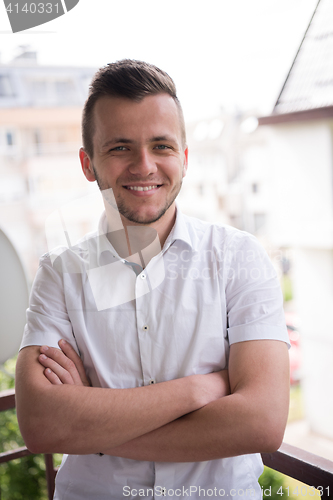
(310, 469)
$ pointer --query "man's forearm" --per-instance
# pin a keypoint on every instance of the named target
(251, 419)
(145, 424)
(224, 428)
(82, 420)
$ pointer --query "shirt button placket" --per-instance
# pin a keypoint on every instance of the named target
(145, 328)
(143, 314)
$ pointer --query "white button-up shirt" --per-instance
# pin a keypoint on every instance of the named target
(209, 287)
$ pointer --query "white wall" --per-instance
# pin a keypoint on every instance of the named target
(301, 217)
(313, 287)
(300, 165)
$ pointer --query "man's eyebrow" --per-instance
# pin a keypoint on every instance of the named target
(124, 140)
(162, 138)
(116, 140)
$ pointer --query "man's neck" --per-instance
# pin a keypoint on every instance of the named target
(130, 241)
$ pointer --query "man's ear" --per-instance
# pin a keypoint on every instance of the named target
(185, 165)
(86, 165)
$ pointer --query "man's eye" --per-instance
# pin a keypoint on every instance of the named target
(162, 146)
(119, 148)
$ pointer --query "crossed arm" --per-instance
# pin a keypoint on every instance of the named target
(194, 418)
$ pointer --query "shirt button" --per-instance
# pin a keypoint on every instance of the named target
(152, 381)
(146, 328)
(164, 491)
(143, 276)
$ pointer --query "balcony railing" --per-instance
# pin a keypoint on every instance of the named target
(7, 402)
(310, 469)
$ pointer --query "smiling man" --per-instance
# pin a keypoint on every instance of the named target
(139, 152)
(175, 389)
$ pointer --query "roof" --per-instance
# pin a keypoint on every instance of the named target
(27, 84)
(309, 84)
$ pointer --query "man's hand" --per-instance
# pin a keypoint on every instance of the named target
(63, 366)
(157, 422)
(251, 420)
(57, 413)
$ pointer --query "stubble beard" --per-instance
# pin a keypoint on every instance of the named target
(131, 215)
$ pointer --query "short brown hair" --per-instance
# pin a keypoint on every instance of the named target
(130, 79)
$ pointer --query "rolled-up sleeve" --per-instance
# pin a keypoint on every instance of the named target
(47, 317)
(253, 293)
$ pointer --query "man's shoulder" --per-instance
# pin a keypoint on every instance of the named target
(216, 233)
(74, 258)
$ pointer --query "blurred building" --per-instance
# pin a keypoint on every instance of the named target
(300, 150)
(204, 188)
(226, 180)
(40, 119)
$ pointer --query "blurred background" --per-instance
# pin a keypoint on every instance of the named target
(255, 79)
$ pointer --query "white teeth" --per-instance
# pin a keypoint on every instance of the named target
(140, 188)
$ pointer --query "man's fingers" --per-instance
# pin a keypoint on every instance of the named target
(73, 356)
(52, 377)
(61, 372)
(65, 363)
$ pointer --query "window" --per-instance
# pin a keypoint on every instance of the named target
(6, 89)
(39, 90)
(9, 138)
(236, 221)
(8, 141)
(65, 91)
(259, 221)
(201, 189)
(37, 139)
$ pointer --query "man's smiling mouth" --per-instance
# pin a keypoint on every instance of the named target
(143, 188)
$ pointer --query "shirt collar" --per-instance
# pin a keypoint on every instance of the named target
(104, 248)
(179, 232)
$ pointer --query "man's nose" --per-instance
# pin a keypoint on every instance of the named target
(143, 164)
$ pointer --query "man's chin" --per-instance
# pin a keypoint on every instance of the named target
(142, 219)
(145, 218)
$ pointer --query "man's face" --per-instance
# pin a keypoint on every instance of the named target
(138, 152)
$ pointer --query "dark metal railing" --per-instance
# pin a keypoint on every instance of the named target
(7, 402)
(306, 467)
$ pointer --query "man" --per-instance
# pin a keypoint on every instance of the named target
(159, 418)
